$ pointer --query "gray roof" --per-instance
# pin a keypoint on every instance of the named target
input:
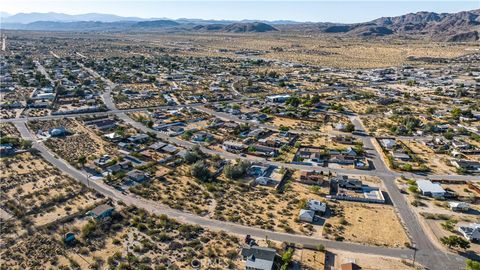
(428, 186)
(97, 211)
(263, 253)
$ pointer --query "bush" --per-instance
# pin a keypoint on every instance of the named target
(200, 171)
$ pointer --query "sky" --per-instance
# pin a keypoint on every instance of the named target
(348, 11)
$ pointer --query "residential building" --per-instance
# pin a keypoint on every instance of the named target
(471, 232)
(458, 206)
(258, 258)
(317, 206)
(101, 211)
(427, 188)
(306, 215)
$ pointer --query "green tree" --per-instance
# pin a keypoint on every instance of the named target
(472, 265)
(200, 171)
(456, 112)
(455, 241)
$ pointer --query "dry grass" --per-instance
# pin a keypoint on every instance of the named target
(367, 223)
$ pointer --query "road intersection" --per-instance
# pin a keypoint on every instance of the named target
(428, 254)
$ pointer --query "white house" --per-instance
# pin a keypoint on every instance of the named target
(471, 232)
(317, 206)
(427, 188)
(388, 143)
(262, 180)
(306, 215)
(458, 206)
(278, 98)
(261, 258)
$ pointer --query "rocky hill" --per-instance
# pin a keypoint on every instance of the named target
(461, 26)
(241, 27)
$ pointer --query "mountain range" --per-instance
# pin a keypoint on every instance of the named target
(454, 27)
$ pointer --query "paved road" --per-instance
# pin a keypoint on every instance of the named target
(199, 220)
(427, 253)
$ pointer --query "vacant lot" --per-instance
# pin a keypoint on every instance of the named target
(366, 223)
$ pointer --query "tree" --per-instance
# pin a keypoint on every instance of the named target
(200, 171)
(238, 170)
(82, 160)
(455, 241)
(456, 112)
(287, 258)
(472, 265)
(349, 127)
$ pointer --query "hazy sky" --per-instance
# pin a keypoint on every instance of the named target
(318, 11)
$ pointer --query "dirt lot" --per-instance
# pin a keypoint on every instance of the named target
(366, 223)
(149, 240)
(37, 194)
(8, 130)
(436, 162)
(369, 262)
(82, 142)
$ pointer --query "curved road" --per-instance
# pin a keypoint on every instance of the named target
(427, 253)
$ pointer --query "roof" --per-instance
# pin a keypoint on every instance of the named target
(97, 211)
(307, 213)
(263, 253)
(428, 186)
(349, 266)
(458, 204)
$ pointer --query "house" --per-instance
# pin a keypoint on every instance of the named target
(101, 211)
(258, 170)
(467, 165)
(316, 206)
(350, 266)
(232, 146)
(139, 138)
(265, 150)
(118, 167)
(137, 176)
(342, 159)
(262, 180)
(102, 124)
(6, 149)
(388, 143)
(58, 132)
(103, 161)
(471, 232)
(458, 206)
(343, 139)
(258, 258)
(361, 164)
(202, 136)
(347, 183)
(277, 98)
(427, 188)
(311, 178)
(306, 215)
(401, 155)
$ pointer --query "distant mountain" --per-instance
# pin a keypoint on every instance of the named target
(455, 27)
(25, 18)
(250, 27)
(156, 23)
(460, 26)
(69, 26)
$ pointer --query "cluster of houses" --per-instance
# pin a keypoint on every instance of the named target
(349, 189)
(323, 156)
(135, 151)
(435, 190)
(395, 149)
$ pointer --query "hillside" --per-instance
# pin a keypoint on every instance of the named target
(247, 27)
(462, 26)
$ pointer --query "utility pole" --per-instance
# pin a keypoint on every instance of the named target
(414, 254)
